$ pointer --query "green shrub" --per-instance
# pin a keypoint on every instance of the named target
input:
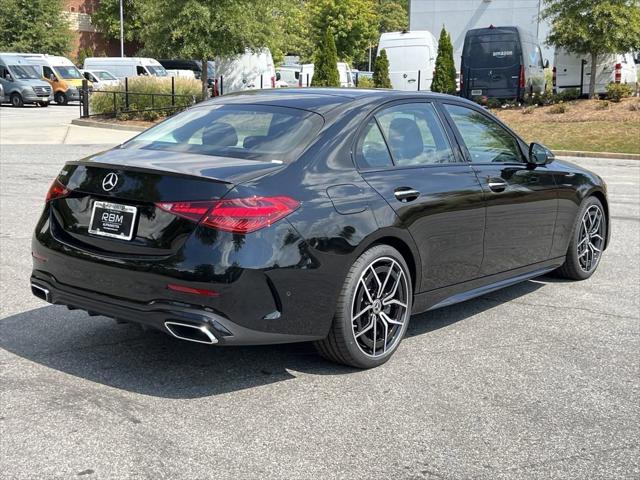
(103, 103)
(365, 82)
(558, 108)
(618, 91)
(381, 71)
(569, 94)
(444, 78)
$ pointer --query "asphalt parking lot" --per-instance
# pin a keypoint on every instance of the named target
(540, 380)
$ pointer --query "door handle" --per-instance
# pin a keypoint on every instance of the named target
(406, 194)
(498, 185)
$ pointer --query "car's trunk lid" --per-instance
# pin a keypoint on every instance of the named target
(138, 180)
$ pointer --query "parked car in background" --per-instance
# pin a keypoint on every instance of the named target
(188, 64)
(412, 58)
(306, 74)
(325, 215)
(247, 71)
(501, 62)
(60, 72)
(573, 71)
(123, 67)
(288, 76)
(181, 73)
(346, 76)
(100, 78)
(21, 83)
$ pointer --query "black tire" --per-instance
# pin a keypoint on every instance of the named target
(341, 345)
(16, 100)
(43, 104)
(61, 98)
(572, 267)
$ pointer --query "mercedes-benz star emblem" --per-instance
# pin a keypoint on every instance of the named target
(109, 182)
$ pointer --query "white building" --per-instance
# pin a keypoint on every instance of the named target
(458, 16)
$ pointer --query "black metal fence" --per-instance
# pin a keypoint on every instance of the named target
(124, 101)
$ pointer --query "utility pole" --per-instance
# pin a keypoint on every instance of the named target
(121, 30)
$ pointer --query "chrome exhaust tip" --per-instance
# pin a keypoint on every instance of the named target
(191, 333)
(40, 292)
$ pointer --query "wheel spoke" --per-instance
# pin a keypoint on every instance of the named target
(386, 335)
(375, 333)
(375, 275)
(366, 329)
(388, 319)
(395, 288)
(394, 302)
(366, 290)
(364, 310)
(386, 279)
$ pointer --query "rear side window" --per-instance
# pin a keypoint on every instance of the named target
(254, 132)
(372, 151)
(485, 139)
(414, 135)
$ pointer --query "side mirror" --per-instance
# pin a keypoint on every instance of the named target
(278, 76)
(540, 155)
(546, 63)
(297, 75)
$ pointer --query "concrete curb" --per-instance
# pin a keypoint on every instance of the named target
(82, 122)
(618, 156)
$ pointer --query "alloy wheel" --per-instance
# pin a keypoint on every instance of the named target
(379, 309)
(591, 238)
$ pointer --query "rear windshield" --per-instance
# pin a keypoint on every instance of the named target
(255, 132)
(491, 51)
(69, 73)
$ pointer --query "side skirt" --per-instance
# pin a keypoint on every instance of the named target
(445, 296)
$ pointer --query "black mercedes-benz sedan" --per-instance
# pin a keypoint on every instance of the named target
(324, 215)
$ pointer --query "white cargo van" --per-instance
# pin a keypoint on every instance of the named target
(571, 71)
(250, 70)
(123, 67)
(412, 58)
(21, 83)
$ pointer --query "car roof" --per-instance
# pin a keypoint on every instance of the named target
(323, 100)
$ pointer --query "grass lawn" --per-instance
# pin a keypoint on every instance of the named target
(585, 126)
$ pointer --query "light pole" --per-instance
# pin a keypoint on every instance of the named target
(121, 30)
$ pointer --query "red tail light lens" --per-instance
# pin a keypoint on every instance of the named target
(618, 73)
(522, 79)
(236, 215)
(273, 82)
(194, 291)
(555, 77)
(56, 190)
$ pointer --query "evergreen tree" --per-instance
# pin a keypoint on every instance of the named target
(326, 64)
(34, 26)
(444, 79)
(381, 71)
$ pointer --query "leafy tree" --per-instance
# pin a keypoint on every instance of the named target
(381, 71)
(292, 31)
(204, 29)
(354, 24)
(444, 79)
(106, 19)
(393, 16)
(326, 64)
(34, 26)
(594, 27)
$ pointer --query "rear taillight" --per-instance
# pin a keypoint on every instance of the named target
(236, 215)
(618, 73)
(273, 82)
(554, 76)
(56, 190)
(522, 83)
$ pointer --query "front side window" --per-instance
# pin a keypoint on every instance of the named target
(157, 70)
(485, 139)
(253, 132)
(102, 75)
(415, 135)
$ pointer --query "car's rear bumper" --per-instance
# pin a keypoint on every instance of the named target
(156, 314)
